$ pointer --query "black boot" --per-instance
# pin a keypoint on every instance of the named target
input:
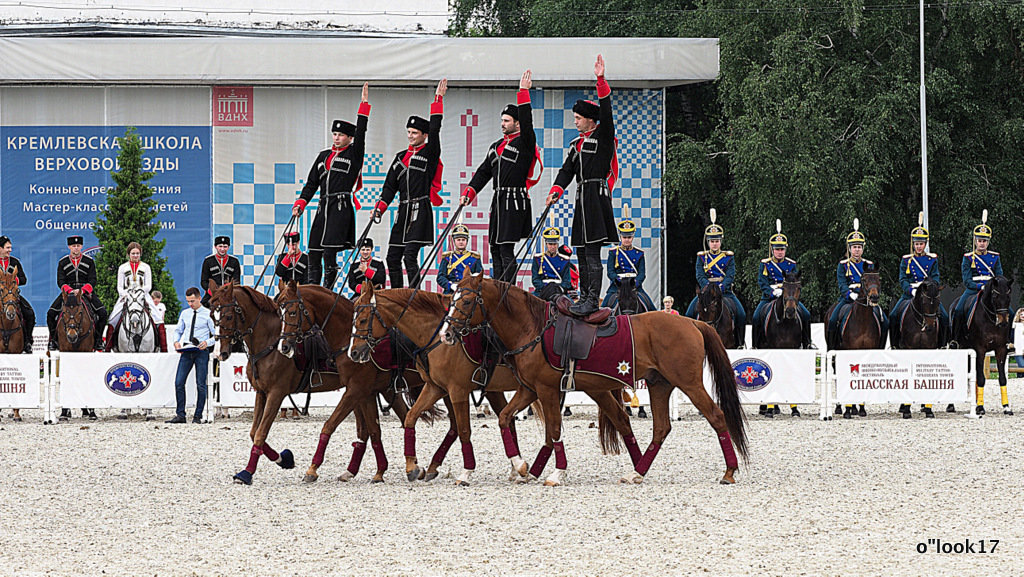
(27, 337)
(313, 274)
(805, 336)
(330, 276)
(586, 305)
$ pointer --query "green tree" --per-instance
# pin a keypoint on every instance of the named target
(131, 216)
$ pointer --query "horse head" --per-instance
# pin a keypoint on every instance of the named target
(791, 295)
(228, 316)
(709, 303)
(74, 317)
(996, 297)
(628, 301)
(871, 286)
(10, 297)
(926, 303)
(368, 326)
(466, 309)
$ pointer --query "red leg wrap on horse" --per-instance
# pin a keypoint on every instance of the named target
(541, 461)
(254, 458)
(730, 455)
(442, 451)
(468, 459)
(321, 449)
(358, 450)
(270, 453)
(560, 462)
(645, 462)
(634, 449)
(378, 452)
(410, 442)
(511, 449)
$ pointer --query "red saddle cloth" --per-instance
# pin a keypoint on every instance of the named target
(473, 345)
(383, 356)
(612, 356)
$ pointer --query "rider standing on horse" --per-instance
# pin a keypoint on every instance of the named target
(76, 271)
(415, 176)
(551, 271)
(367, 268)
(627, 262)
(293, 264)
(10, 264)
(337, 174)
(915, 268)
(718, 266)
(132, 275)
(512, 165)
(977, 268)
(455, 263)
(770, 278)
(593, 162)
(220, 267)
(848, 274)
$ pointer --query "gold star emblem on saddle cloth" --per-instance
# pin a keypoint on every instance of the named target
(623, 368)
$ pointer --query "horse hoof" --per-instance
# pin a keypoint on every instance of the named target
(346, 476)
(376, 479)
(430, 476)
(727, 480)
(839, 410)
(243, 478)
(928, 414)
(632, 478)
(795, 413)
(287, 460)
(523, 469)
(414, 474)
(980, 410)
(770, 414)
(461, 483)
(907, 415)
(950, 408)
(310, 478)
(847, 415)
(1007, 410)
(862, 412)
(761, 409)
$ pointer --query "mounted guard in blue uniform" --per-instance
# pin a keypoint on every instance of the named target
(848, 274)
(770, 277)
(626, 262)
(977, 268)
(455, 263)
(915, 268)
(719, 266)
(551, 271)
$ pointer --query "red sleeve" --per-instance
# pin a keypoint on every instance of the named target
(382, 206)
(603, 89)
(364, 109)
(300, 203)
(469, 192)
(437, 106)
(523, 96)
(435, 186)
(86, 287)
(286, 260)
(359, 288)
(557, 190)
(368, 274)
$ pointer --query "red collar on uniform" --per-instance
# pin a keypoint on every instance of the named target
(75, 261)
(5, 263)
(222, 260)
(134, 266)
(339, 149)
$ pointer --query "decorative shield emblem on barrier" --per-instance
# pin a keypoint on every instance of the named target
(127, 379)
(752, 374)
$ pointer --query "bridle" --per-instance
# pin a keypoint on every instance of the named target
(920, 316)
(705, 306)
(291, 331)
(990, 287)
(75, 321)
(786, 299)
(10, 297)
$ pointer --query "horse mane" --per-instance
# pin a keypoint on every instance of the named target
(537, 308)
(344, 306)
(262, 301)
(424, 302)
(73, 299)
(792, 276)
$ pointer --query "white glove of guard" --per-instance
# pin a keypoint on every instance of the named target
(854, 296)
(777, 292)
(913, 292)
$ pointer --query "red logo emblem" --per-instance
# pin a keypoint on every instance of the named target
(127, 379)
(749, 375)
(232, 106)
(238, 372)
(855, 369)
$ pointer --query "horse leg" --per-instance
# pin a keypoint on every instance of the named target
(257, 414)
(553, 429)
(345, 406)
(981, 369)
(694, 389)
(428, 396)
(1003, 396)
(273, 402)
(506, 423)
(660, 390)
(612, 411)
(465, 432)
(364, 414)
(446, 442)
(498, 403)
(371, 424)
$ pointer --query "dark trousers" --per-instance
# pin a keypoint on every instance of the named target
(591, 270)
(323, 261)
(189, 358)
(397, 254)
(503, 262)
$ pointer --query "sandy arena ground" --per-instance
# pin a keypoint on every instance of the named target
(818, 498)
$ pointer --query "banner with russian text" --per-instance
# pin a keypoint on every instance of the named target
(20, 376)
(903, 376)
(235, 390)
(771, 376)
(122, 380)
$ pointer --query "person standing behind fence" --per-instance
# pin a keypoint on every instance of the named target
(1017, 320)
(193, 338)
(338, 174)
(415, 177)
(667, 303)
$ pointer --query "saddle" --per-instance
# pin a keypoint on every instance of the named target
(844, 318)
(574, 338)
(562, 304)
(314, 355)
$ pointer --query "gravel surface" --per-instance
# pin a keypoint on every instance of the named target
(818, 498)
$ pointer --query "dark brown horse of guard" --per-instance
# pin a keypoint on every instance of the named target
(713, 309)
(450, 371)
(12, 336)
(862, 329)
(245, 315)
(75, 334)
(669, 352)
(919, 328)
(782, 328)
(989, 330)
(304, 309)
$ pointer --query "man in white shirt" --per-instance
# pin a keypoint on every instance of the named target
(193, 338)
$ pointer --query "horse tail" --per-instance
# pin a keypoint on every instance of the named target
(610, 438)
(725, 386)
(433, 414)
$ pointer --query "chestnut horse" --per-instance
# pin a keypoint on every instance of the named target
(418, 315)
(863, 329)
(669, 352)
(303, 310)
(12, 337)
(245, 315)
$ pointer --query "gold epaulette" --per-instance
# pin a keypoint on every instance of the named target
(932, 254)
(447, 254)
(790, 260)
(701, 253)
(766, 260)
(474, 254)
(908, 255)
(993, 252)
(844, 261)
(728, 252)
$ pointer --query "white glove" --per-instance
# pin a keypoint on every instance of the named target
(776, 292)
(854, 296)
(913, 292)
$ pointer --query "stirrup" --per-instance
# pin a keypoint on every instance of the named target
(568, 381)
(479, 377)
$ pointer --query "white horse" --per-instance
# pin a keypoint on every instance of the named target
(137, 333)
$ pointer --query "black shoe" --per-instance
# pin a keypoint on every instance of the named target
(197, 421)
(28, 347)
(177, 420)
